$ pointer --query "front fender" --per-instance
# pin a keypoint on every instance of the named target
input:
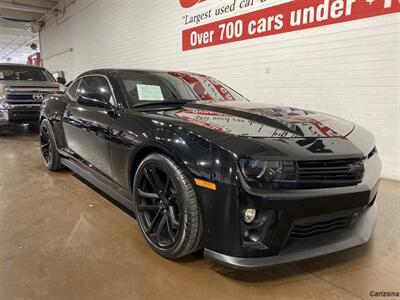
(189, 149)
(52, 109)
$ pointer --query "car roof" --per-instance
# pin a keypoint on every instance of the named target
(111, 71)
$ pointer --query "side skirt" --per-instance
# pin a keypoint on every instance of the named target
(97, 183)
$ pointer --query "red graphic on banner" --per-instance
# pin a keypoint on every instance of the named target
(287, 17)
(189, 3)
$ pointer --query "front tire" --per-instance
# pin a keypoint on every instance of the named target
(166, 207)
(50, 155)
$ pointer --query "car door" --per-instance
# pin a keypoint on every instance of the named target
(87, 124)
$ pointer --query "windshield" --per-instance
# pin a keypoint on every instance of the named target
(24, 73)
(147, 87)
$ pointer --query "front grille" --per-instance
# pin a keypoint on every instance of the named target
(318, 174)
(329, 173)
(25, 97)
(307, 230)
(20, 96)
(28, 95)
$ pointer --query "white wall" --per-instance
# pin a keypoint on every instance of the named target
(351, 70)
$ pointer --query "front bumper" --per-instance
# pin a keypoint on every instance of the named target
(19, 114)
(357, 235)
(280, 214)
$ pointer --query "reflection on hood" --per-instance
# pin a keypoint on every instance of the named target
(256, 120)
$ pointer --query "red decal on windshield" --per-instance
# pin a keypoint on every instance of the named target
(218, 86)
(195, 84)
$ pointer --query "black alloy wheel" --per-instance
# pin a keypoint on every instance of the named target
(50, 155)
(166, 207)
(160, 208)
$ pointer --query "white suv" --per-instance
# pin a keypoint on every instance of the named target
(22, 91)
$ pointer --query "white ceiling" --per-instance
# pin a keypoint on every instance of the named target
(16, 36)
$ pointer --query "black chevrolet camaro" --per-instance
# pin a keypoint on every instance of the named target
(202, 168)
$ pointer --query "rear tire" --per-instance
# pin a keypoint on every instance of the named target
(166, 207)
(50, 155)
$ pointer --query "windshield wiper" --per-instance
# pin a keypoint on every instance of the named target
(162, 103)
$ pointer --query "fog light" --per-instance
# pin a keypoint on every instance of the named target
(249, 215)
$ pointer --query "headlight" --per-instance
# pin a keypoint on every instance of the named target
(268, 174)
(253, 169)
(256, 169)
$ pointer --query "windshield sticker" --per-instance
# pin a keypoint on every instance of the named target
(149, 92)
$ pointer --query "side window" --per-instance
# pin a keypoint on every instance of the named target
(95, 87)
(72, 90)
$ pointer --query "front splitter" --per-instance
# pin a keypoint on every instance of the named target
(357, 235)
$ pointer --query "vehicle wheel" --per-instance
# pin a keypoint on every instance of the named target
(50, 155)
(166, 207)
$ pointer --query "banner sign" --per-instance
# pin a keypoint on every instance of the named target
(287, 17)
(189, 3)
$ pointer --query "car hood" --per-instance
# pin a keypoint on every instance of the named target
(260, 120)
(28, 83)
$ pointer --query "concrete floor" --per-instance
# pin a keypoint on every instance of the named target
(60, 239)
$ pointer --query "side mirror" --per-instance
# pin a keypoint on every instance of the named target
(61, 80)
(90, 100)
